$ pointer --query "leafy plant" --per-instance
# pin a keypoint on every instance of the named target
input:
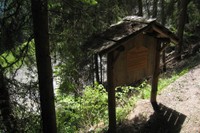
(87, 111)
(91, 2)
(81, 113)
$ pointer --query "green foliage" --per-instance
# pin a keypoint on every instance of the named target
(74, 114)
(28, 122)
(17, 56)
(91, 2)
(88, 110)
(165, 81)
(8, 56)
(194, 16)
(97, 97)
(71, 23)
(67, 114)
(23, 96)
(125, 100)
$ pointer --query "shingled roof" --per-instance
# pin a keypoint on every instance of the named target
(126, 29)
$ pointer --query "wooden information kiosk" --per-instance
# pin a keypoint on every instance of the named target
(132, 48)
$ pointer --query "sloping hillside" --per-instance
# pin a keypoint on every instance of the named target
(180, 108)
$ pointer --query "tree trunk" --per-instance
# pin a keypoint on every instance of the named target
(5, 107)
(155, 7)
(41, 36)
(163, 16)
(197, 3)
(182, 19)
(147, 8)
(101, 69)
(167, 10)
(96, 68)
(140, 8)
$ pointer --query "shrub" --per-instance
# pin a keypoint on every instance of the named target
(88, 111)
(81, 113)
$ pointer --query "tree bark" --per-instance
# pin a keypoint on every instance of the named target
(197, 3)
(140, 8)
(5, 106)
(147, 8)
(155, 7)
(97, 68)
(163, 16)
(41, 36)
(182, 19)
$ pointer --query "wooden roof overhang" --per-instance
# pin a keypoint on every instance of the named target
(129, 27)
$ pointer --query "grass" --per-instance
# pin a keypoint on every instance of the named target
(143, 92)
(93, 103)
(90, 110)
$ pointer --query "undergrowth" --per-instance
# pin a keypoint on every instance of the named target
(89, 112)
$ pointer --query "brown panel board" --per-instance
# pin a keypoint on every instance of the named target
(119, 70)
(137, 59)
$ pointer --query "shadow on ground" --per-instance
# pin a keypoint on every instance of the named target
(166, 121)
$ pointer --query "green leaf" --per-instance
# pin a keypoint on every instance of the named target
(91, 2)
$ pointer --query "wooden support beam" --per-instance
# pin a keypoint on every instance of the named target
(155, 79)
(165, 34)
(96, 67)
(164, 61)
(111, 95)
(164, 46)
(162, 50)
(101, 69)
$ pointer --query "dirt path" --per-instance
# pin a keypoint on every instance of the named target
(180, 103)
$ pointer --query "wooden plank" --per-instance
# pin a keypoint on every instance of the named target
(173, 39)
(137, 59)
(119, 69)
(111, 95)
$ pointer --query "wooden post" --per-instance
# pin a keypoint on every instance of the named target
(101, 71)
(155, 78)
(96, 67)
(111, 95)
(163, 61)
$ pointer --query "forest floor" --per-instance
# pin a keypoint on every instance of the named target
(180, 108)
